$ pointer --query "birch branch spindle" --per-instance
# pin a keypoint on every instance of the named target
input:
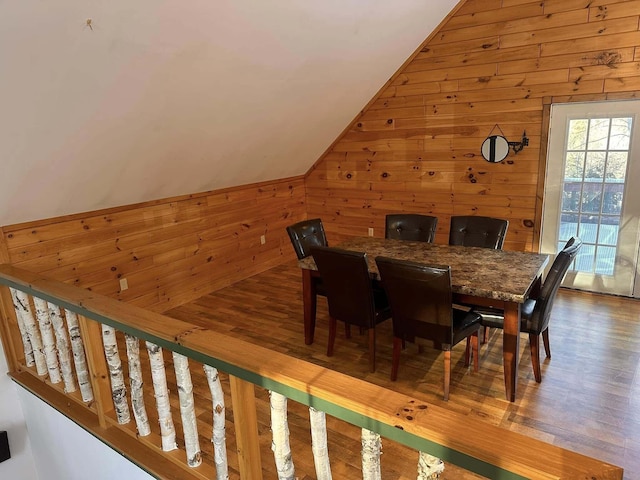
(118, 389)
(31, 328)
(280, 431)
(218, 437)
(62, 346)
(161, 393)
(429, 467)
(48, 340)
(136, 384)
(187, 410)
(79, 357)
(26, 343)
(371, 450)
(319, 444)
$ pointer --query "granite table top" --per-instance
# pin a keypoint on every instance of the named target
(480, 272)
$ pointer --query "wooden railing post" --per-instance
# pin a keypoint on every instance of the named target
(91, 333)
(245, 421)
(9, 332)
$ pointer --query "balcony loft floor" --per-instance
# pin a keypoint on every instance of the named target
(588, 401)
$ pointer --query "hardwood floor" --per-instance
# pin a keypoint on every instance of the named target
(588, 401)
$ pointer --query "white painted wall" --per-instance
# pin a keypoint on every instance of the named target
(21, 465)
(64, 451)
(162, 98)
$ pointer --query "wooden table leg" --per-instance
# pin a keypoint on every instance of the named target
(309, 302)
(511, 348)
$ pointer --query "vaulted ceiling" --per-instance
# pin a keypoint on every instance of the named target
(112, 103)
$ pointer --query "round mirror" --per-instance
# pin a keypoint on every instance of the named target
(495, 148)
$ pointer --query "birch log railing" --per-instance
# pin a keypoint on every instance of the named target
(80, 352)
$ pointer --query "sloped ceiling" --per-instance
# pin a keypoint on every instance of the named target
(111, 103)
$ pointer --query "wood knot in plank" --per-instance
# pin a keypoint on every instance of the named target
(609, 59)
(411, 411)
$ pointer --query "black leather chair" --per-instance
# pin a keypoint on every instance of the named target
(421, 306)
(536, 311)
(350, 294)
(305, 235)
(475, 231)
(410, 226)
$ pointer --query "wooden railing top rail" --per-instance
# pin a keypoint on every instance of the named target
(487, 449)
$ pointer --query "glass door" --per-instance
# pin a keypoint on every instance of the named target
(592, 190)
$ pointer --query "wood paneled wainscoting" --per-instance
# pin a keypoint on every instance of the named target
(104, 364)
(167, 251)
(415, 147)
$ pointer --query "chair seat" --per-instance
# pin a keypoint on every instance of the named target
(496, 319)
(464, 324)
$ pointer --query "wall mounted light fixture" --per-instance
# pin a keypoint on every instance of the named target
(495, 148)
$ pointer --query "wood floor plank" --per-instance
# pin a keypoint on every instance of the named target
(588, 400)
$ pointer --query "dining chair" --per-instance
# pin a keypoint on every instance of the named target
(477, 231)
(536, 312)
(410, 226)
(307, 234)
(351, 296)
(421, 307)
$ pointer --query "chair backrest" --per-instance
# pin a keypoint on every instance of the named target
(539, 320)
(305, 235)
(420, 299)
(475, 231)
(347, 282)
(410, 226)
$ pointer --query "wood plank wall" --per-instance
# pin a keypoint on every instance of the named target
(416, 147)
(170, 251)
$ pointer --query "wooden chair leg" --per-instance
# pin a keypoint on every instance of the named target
(476, 357)
(535, 355)
(447, 373)
(347, 331)
(545, 341)
(372, 349)
(332, 335)
(467, 351)
(395, 360)
(485, 335)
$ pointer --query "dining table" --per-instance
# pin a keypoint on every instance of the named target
(483, 277)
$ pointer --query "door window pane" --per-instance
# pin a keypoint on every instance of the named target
(609, 227)
(577, 137)
(588, 228)
(595, 165)
(598, 134)
(616, 165)
(620, 133)
(612, 202)
(584, 259)
(574, 166)
(571, 197)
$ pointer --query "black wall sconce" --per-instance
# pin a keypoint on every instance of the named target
(495, 148)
